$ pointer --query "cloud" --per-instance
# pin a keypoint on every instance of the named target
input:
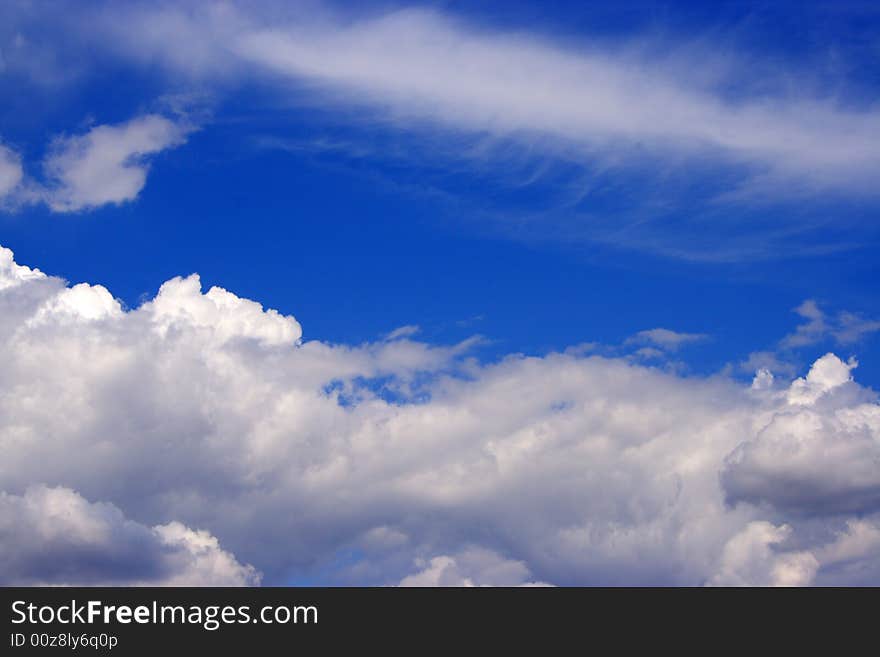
(818, 455)
(749, 559)
(827, 374)
(408, 462)
(854, 554)
(403, 332)
(472, 567)
(812, 331)
(846, 328)
(616, 104)
(665, 339)
(108, 164)
(581, 121)
(81, 302)
(12, 274)
(852, 328)
(10, 171)
(54, 536)
(219, 313)
(766, 361)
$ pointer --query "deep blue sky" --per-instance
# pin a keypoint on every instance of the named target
(357, 227)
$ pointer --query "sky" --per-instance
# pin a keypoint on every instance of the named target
(439, 293)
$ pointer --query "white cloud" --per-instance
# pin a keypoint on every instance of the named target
(472, 567)
(206, 409)
(221, 314)
(585, 119)
(750, 560)
(817, 455)
(664, 338)
(763, 379)
(403, 332)
(80, 302)
(845, 328)
(10, 171)
(13, 274)
(108, 164)
(853, 556)
(768, 361)
(810, 332)
(54, 536)
(852, 327)
(826, 374)
(615, 104)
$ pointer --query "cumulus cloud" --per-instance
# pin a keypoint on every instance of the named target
(842, 328)
(54, 536)
(749, 559)
(826, 374)
(221, 314)
(80, 302)
(13, 274)
(205, 409)
(108, 164)
(818, 454)
(472, 567)
(853, 556)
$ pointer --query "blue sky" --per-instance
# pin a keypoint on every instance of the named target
(497, 242)
(678, 185)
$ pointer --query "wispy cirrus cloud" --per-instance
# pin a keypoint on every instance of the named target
(619, 104)
(635, 144)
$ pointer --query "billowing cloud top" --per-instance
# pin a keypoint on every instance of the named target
(52, 535)
(12, 274)
(222, 314)
(196, 438)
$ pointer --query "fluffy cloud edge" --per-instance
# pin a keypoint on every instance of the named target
(564, 468)
(53, 536)
(106, 165)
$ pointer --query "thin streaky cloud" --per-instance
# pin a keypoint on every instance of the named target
(619, 106)
(665, 338)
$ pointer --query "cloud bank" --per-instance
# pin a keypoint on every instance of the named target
(200, 432)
